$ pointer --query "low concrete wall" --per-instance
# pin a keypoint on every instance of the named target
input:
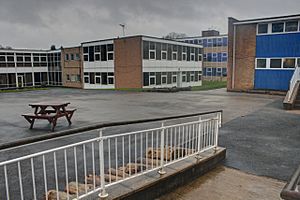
(153, 185)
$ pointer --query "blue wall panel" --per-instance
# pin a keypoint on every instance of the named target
(272, 79)
(278, 45)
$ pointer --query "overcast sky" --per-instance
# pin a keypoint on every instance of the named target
(40, 23)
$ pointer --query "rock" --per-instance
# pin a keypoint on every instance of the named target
(149, 161)
(156, 153)
(132, 168)
(81, 188)
(52, 195)
(107, 178)
(118, 172)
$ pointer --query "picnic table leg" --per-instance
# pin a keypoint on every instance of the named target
(69, 117)
(31, 121)
(53, 123)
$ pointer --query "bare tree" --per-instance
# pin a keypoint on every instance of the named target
(173, 36)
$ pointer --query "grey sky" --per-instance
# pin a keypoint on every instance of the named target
(40, 23)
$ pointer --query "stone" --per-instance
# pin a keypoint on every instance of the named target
(52, 195)
(81, 188)
(132, 168)
(117, 172)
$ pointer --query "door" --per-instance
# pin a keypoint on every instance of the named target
(20, 81)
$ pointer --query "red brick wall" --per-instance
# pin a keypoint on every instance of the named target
(245, 49)
(128, 62)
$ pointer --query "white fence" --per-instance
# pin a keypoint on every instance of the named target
(84, 168)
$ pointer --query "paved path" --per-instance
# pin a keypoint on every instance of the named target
(225, 183)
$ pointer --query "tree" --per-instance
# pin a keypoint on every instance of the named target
(52, 47)
(173, 36)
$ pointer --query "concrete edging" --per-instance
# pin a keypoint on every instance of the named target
(152, 185)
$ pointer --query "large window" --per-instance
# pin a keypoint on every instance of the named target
(262, 28)
(291, 26)
(275, 63)
(277, 27)
(261, 63)
(289, 62)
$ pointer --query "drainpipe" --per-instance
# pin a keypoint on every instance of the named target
(233, 57)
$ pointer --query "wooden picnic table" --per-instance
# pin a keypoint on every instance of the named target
(50, 111)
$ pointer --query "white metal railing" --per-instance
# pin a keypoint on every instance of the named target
(295, 78)
(78, 170)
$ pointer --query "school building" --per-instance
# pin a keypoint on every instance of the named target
(263, 53)
(214, 53)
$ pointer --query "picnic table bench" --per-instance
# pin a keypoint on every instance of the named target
(50, 111)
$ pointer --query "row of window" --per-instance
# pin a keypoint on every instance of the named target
(72, 56)
(215, 57)
(24, 79)
(210, 42)
(278, 27)
(163, 51)
(73, 77)
(164, 78)
(277, 63)
(98, 53)
(215, 71)
(99, 78)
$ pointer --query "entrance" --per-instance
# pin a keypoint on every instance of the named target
(20, 82)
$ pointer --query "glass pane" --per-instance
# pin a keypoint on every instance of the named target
(289, 62)
(291, 26)
(262, 28)
(277, 27)
(275, 63)
(261, 63)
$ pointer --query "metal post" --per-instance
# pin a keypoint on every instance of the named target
(199, 138)
(161, 171)
(216, 134)
(103, 193)
(219, 119)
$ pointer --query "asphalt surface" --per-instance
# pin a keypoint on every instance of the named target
(260, 137)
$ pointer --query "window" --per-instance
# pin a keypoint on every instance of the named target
(110, 78)
(214, 57)
(145, 50)
(289, 62)
(209, 42)
(68, 77)
(77, 56)
(277, 27)
(86, 57)
(205, 57)
(192, 54)
(152, 78)
(146, 78)
(192, 76)
(174, 56)
(86, 78)
(110, 52)
(164, 55)
(72, 56)
(97, 48)
(164, 78)
(85, 50)
(208, 71)
(298, 62)
(97, 57)
(261, 63)
(262, 28)
(291, 26)
(224, 57)
(219, 71)
(183, 76)
(174, 77)
(91, 54)
(152, 54)
(275, 63)
(184, 50)
(200, 57)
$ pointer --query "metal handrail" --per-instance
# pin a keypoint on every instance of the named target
(40, 138)
(290, 190)
(295, 78)
(83, 163)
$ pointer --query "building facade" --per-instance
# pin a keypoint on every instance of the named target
(214, 53)
(72, 69)
(263, 53)
(141, 62)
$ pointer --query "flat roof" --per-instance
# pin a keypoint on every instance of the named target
(201, 37)
(132, 36)
(268, 19)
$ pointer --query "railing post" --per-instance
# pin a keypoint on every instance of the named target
(216, 133)
(103, 193)
(199, 138)
(220, 119)
(161, 171)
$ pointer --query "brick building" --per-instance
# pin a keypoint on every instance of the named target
(72, 69)
(141, 62)
(262, 53)
(214, 53)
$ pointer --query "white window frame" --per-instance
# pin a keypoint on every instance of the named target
(284, 26)
(200, 58)
(163, 76)
(260, 59)
(268, 29)
(174, 75)
(152, 76)
(162, 52)
(192, 74)
(88, 76)
(98, 53)
(208, 70)
(192, 54)
(214, 55)
(174, 53)
(209, 40)
(183, 75)
(98, 76)
(154, 51)
(108, 77)
(282, 62)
